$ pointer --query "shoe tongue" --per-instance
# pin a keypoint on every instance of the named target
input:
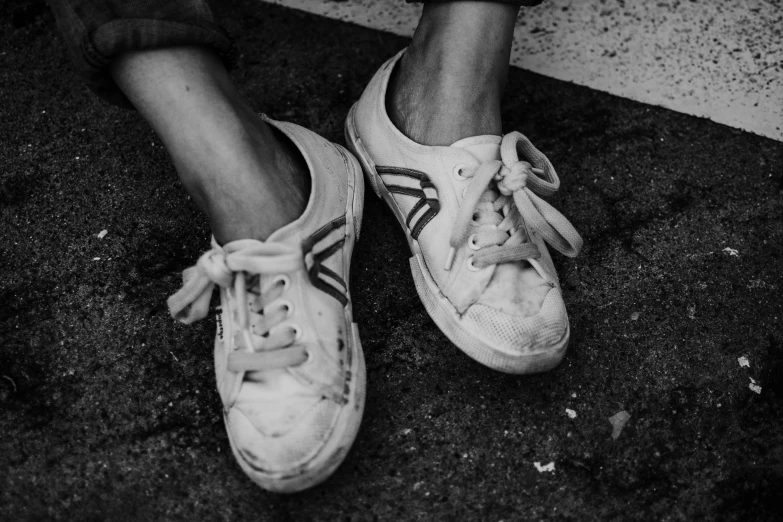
(483, 148)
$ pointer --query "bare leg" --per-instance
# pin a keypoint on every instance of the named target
(245, 176)
(449, 83)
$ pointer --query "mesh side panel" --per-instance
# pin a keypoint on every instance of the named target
(517, 334)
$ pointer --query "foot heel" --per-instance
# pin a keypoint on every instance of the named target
(357, 202)
(355, 145)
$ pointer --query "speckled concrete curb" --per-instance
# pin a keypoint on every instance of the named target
(719, 60)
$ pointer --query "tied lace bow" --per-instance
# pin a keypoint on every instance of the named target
(229, 270)
(519, 185)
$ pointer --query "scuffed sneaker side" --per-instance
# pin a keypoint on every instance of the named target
(507, 311)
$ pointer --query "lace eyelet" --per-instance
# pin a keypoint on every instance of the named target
(288, 306)
(472, 242)
(471, 266)
(458, 172)
(297, 332)
(283, 279)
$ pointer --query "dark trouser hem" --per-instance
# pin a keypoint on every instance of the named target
(97, 31)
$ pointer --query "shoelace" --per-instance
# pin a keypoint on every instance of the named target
(275, 346)
(502, 238)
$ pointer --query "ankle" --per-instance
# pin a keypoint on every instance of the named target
(248, 183)
(465, 67)
(246, 177)
(435, 104)
(466, 38)
(449, 83)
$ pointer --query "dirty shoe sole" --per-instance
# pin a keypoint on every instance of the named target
(346, 427)
(437, 305)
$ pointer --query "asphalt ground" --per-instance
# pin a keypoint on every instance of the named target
(108, 409)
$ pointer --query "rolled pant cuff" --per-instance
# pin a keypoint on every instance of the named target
(113, 38)
(98, 31)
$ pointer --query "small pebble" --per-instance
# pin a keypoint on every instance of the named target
(618, 422)
(545, 467)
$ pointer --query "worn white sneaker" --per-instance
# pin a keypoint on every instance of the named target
(288, 359)
(477, 230)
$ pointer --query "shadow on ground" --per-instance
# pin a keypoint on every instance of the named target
(109, 410)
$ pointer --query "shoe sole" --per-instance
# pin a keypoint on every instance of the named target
(346, 427)
(437, 305)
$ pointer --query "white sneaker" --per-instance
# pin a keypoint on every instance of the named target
(288, 359)
(477, 228)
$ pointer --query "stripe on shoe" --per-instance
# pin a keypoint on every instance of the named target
(321, 245)
(414, 183)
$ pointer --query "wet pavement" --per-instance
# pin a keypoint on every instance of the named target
(108, 409)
